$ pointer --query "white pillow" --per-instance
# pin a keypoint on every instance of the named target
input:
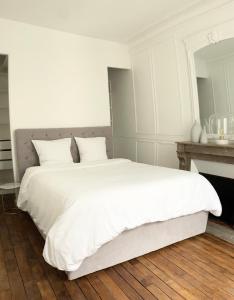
(91, 149)
(53, 152)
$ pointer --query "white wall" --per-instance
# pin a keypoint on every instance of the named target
(58, 79)
(163, 97)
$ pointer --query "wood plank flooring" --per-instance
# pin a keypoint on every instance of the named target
(199, 268)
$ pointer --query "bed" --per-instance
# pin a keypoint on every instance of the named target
(118, 218)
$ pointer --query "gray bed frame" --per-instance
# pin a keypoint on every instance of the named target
(26, 154)
(130, 243)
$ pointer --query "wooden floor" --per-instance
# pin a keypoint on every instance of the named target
(198, 268)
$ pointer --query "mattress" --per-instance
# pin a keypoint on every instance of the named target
(81, 207)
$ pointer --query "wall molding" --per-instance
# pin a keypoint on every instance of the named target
(160, 138)
(149, 58)
(155, 97)
(196, 10)
(179, 81)
(173, 162)
(170, 43)
(173, 69)
(198, 41)
(138, 141)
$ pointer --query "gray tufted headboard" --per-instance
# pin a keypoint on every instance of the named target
(26, 154)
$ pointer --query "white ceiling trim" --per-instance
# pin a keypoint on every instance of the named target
(194, 10)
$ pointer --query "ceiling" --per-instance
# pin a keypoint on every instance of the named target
(116, 20)
(214, 51)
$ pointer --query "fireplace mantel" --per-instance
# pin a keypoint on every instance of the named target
(186, 151)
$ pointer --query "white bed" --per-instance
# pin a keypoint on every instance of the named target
(95, 215)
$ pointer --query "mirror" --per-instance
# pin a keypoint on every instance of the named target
(215, 85)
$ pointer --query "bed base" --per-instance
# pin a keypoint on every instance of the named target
(142, 240)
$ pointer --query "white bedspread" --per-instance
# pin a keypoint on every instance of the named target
(80, 207)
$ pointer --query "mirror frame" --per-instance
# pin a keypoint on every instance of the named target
(196, 42)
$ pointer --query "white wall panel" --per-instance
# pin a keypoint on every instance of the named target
(171, 47)
(165, 98)
(144, 98)
(168, 102)
(146, 152)
(125, 148)
(166, 155)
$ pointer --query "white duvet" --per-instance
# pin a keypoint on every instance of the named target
(80, 207)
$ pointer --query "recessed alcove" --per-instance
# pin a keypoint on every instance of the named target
(6, 171)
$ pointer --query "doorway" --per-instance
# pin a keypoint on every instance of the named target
(6, 169)
(122, 112)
